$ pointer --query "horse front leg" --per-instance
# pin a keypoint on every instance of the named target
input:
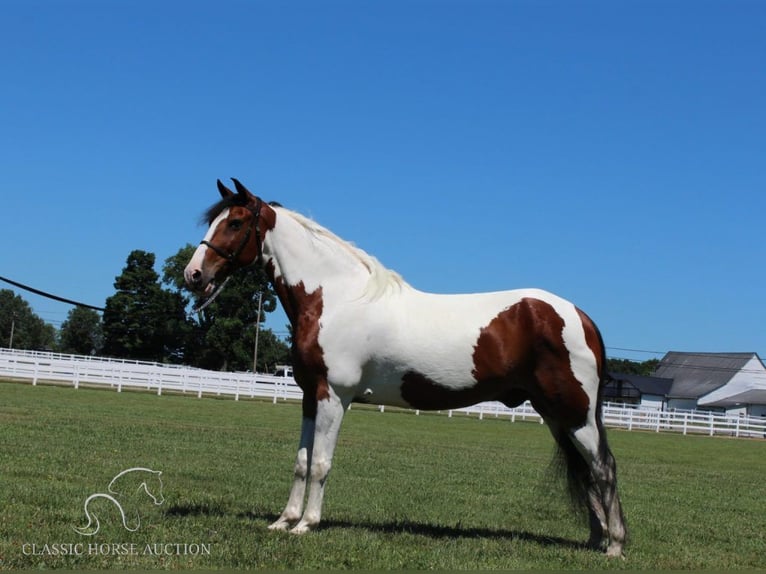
(292, 512)
(329, 416)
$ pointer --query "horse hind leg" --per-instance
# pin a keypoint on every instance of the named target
(583, 490)
(590, 442)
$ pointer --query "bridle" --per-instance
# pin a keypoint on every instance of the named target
(232, 257)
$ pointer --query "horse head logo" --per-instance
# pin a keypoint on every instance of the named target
(125, 491)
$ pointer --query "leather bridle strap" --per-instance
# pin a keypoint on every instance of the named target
(232, 257)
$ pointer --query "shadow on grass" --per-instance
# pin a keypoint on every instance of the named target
(391, 527)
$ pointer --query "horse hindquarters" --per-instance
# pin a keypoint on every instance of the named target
(568, 379)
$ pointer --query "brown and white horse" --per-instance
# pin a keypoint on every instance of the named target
(361, 333)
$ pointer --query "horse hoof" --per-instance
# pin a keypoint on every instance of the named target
(280, 524)
(302, 528)
(615, 551)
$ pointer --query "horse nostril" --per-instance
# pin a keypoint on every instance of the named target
(193, 278)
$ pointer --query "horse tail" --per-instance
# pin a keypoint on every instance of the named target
(570, 462)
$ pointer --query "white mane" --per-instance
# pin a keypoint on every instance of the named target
(381, 278)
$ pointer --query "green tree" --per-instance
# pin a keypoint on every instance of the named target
(223, 334)
(20, 327)
(141, 320)
(629, 367)
(81, 333)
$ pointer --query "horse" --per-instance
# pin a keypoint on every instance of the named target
(362, 334)
(126, 485)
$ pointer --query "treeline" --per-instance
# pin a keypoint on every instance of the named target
(148, 319)
(628, 367)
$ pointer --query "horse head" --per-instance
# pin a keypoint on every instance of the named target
(237, 226)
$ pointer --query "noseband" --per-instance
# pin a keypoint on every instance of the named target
(231, 258)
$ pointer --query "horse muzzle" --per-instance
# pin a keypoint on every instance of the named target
(197, 281)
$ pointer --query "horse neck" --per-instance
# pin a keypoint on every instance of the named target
(297, 256)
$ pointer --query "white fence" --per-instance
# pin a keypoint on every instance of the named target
(155, 377)
(123, 374)
(620, 416)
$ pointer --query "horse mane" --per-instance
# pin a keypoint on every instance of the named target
(233, 200)
(218, 208)
(381, 278)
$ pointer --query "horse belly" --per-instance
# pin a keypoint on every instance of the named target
(438, 379)
(463, 351)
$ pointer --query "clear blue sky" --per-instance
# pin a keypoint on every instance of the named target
(611, 152)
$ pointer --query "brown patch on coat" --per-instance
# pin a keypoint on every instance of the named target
(519, 355)
(304, 310)
(420, 392)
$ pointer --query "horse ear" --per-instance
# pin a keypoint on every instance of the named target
(241, 189)
(223, 190)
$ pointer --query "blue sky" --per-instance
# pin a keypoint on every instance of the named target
(611, 152)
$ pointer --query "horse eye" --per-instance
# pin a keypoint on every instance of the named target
(235, 224)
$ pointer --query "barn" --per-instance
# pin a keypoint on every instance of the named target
(734, 382)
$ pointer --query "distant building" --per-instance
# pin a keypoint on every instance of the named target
(734, 382)
(647, 392)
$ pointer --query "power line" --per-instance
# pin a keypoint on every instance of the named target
(644, 351)
(50, 295)
(638, 351)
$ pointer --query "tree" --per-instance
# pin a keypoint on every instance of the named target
(223, 334)
(141, 320)
(81, 333)
(629, 367)
(20, 327)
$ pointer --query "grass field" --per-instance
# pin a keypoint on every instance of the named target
(414, 492)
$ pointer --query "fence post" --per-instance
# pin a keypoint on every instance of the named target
(710, 422)
(686, 422)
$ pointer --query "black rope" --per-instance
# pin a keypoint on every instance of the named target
(50, 296)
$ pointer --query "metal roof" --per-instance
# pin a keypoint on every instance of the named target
(697, 374)
(751, 397)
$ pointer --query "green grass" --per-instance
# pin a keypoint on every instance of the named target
(406, 491)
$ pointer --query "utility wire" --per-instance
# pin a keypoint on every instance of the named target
(668, 363)
(50, 295)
